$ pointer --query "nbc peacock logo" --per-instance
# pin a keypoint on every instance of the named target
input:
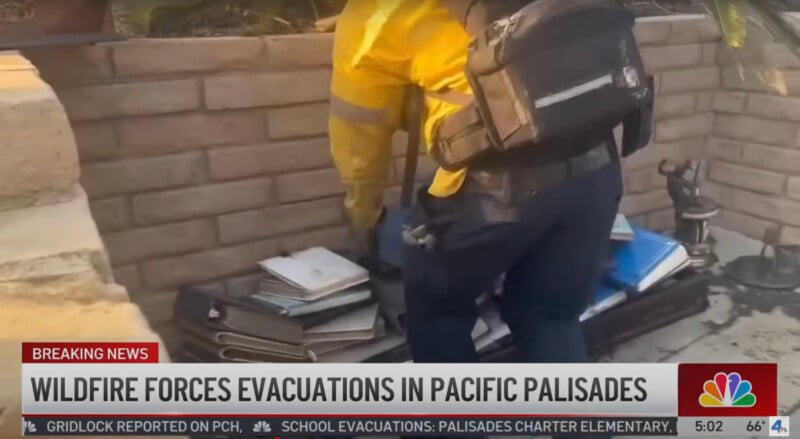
(727, 390)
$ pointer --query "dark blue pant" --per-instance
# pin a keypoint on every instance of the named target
(551, 244)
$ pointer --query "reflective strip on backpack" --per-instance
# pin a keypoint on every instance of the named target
(576, 91)
(357, 113)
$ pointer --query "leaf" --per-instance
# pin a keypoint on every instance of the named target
(750, 29)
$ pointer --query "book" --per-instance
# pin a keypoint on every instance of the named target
(606, 298)
(622, 230)
(311, 274)
(220, 339)
(646, 260)
(290, 307)
(355, 325)
(212, 309)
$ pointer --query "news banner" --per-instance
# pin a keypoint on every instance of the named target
(107, 389)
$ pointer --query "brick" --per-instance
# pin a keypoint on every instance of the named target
(72, 64)
(245, 90)
(662, 220)
(729, 102)
(672, 57)
(705, 102)
(743, 223)
(643, 180)
(247, 161)
(309, 185)
(653, 154)
(749, 79)
(710, 53)
(158, 307)
(179, 55)
(755, 130)
(678, 128)
(693, 30)
(188, 131)
(134, 245)
(634, 204)
(721, 194)
(780, 56)
(701, 78)
(765, 53)
(675, 105)
(206, 265)
(338, 239)
(638, 220)
(426, 168)
(767, 207)
(111, 214)
(298, 121)
(747, 178)
(142, 174)
(242, 286)
(651, 32)
(271, 221)
(723, 149)
(138, 99)
(96, 140)
(774, 107)
(793, 188)
(771, 158)
(790, 235)
(199, 201)
(299, 50)
(128, 277)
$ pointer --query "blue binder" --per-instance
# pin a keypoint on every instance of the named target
(647, 259)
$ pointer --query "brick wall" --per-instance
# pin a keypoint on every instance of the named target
(201, 156)
(681, 53)
(755, 146)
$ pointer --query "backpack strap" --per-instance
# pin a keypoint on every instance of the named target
(413, 114)
(476, 15)
(472, 14)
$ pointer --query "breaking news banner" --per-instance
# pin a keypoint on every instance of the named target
(73, 389)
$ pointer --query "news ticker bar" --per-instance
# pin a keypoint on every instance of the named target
(395, 425)
(338, 426)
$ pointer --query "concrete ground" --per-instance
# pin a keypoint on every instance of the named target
(740, 325)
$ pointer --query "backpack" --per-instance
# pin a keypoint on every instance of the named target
(544, 69)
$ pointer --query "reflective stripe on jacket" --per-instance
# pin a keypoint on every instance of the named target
(382, 46)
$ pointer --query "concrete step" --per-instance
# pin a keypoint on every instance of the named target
(57, 241)
(24, 320)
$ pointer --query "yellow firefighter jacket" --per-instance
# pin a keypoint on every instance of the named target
(382, 46)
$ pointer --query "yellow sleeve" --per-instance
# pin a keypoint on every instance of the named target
(366, 101)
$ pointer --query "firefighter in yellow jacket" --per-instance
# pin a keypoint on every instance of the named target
(549, 241)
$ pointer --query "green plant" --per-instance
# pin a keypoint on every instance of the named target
(215, 17)
(749, 29)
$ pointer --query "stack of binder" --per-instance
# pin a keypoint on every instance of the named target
(311, 306)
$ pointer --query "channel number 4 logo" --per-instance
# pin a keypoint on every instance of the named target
(28, 427)
(262, 427)
(779, 426)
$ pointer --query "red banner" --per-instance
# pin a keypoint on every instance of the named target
(90, 352)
